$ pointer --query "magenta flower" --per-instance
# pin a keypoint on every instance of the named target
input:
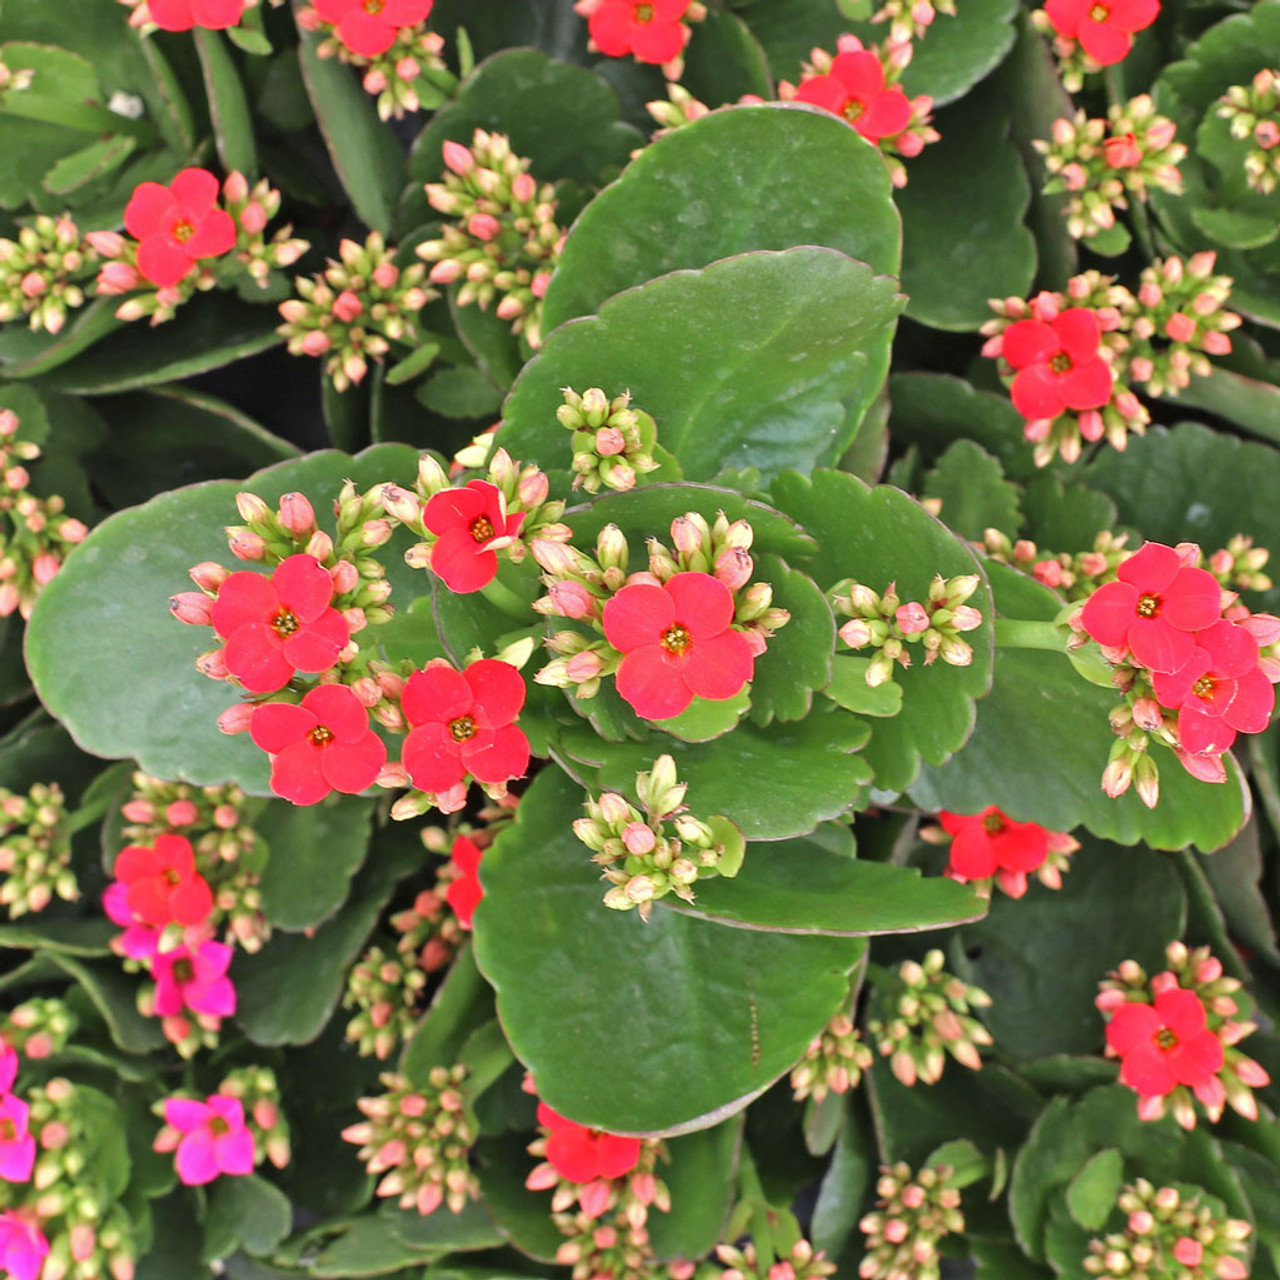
(195, 980)
(215, 1139)
(17, 1146)
(8, 1066)
(22, 1245)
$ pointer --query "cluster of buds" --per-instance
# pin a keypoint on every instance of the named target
(1101, 162)
(639, 859)
(385, 989)
(911, 19)
(912, 1214)
(800, 1262)
(833, 1062)
(1200, 973)
(1171, 1231)
(35, 849)
(355, 310)
(259, 1094)
(1075, 576)
(888, 625)
(595, 1249)
(39, 1027)
(252, 208)
(628, 1196)
(504, 242)
(42, 272)
(40, 534)
(1238, 566)
(928, 1016)
(416, 1140)
(1254, 112)
(612, 443)
(12, 81)
(408, 75)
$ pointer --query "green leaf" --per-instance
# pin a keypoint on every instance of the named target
(1091, 1194)
(364, 1247)
(70, 937)
(418, 362)
(849, 688)
(157, 708)
(88, 164)
(1247, 402)
(703, 720)
(790, 29)
(314, 852)
(115, 995)
(846, 1184)
(791, 176)
(228, 105)
(702, 1180)
(974, 493)
(46, 352)
(495, 349)
(880, 536)
(743, 363)
(1235, 872)
(756, 999)
(1065, 517)
(245, 1212)
(725, 62)
(523, 1216)
(440, 1232)
(462, 1003)
(798, 659)
(461, 392)
(365, 152)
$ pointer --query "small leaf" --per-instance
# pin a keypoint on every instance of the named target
(975, 495)
(95, 161)
(461, 392)
(798, 659)
(245, 1212)
(419, 361)
(1091, 1194)
(228, 105)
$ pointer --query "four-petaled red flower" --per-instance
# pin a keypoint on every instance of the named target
(1219, 691)
(652, 30)
(162, 885)
(463, 722)
(1058, 364)
(370, 27)
(177, 225)
(678, 644)
(325, 744)
(1153, 608)
(182, 15)
(988, 844)
(579, 1154)
(1166, 1044)
(471, 525)
(279, 625)
(1104, 27)
(854, 89)
(464, 891)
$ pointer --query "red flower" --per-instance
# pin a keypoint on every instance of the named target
(1165, 1044)
(1153, 608)
(323, 745)
(855, 90)
(277, 626)
(1058, 364)
(370, 27)
(1122, 151)
(988, 844)
(579, 1154)
(1220, 691)
(463, 722)
(472, 525)
(177, 225)
(1104, 27)
(464, 891)
(161, 885)
(650, 29)
(678, 644)
(182, 15)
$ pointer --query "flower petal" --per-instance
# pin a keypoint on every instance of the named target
(364, 34)
(498, 755)
(658, 42)
(431, 758)
(1066, 15)
(1133, 1023)
(171, 15)
(1134, 15)
(243, 598)
(701, 602)
(460, 563)
(197, 1159)
(637, 616)
(1104, 42)
(1147, 1070)
(436, 695)
(1088, 384)
(1232, 650)
(339, 710)
(718, 668)
(1151, 568)
(885, 115)
(1157, 645)
(1193, 600)
(822, 91)
(316, 645)
(861, 73)
(196, 190)
(1108, 613)
(652, 684)
(1028, 342)
(190, 902)
(1197, 1059)
(571, 1150)
(616, 1154)
(497, 692)
(217, 15)
(1255, 699)
(161, 262)
(149, 206)
(186, 1114)
(1078, 332)
(276, 725)
(1202, 733)
(234, 1152)
(254, 655)
(296, 774)
(303, 586)
(453, 509)
(973, 854)
(1037, 393)
(352, 767)
(215, 236)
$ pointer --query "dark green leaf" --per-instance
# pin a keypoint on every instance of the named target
(974, 493)
(460, 392)
(115, 995)
(443, 1231)
(90, 163)
(725, 62)
(228, 105)
(1091, 1194)
(365, 1247)
(702, 1179)
(245, 1212)
(846, 1183)
(462, 1003)
(798, 659)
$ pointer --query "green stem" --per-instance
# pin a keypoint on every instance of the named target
(1015, 633)
(753, 1192)
(502, 597)
(88, 814)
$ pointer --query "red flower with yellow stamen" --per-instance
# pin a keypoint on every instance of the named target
(1058, 364)
(177, 225)
(1165, 1044)
(1104, 28)
(855, 90)
(370, 27)
(471, 525)
(162, 885)
(652, 30)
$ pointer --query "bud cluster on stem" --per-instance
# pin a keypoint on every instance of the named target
(913, 1213)
(259, 1093)
(252, 208)
(612, 442)
(1074, 576)
(43, 271)
(1254, 112)
(35, 849)
(833, 1062)
(39, 1027)
(384, 989)
(799, 1262)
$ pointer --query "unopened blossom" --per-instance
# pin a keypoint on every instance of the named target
(37, 1028)
(43, 271)
(1103, 28)
(913, 1213)
(162, 885)
(650, 30)
(1254, 112)
(612, 442)
(35, 849)
(384, 990)
(855, 89)
(471, 525)
(211, 1138)
(991, 845)
(178, 225)
(833, 1062)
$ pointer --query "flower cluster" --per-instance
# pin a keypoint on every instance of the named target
(1175, 1036)
(38, 1028)
(800, 1262)
(612, 443)
(35, 849)
(927, 1016)
(914, 1212)
(990, 847)
(257, 1090)
(833, 1062)
(887, 625)
(355, 310)
(1100, 162)
(14, 79)
(652, 31)
(639, 859)
(43, 271)
(402, 62)
(504, 241)
(1254, 112)
(1187, 658)
(416, 1140)
(1238, 566)
(1176, 1230)
(1091, 34)
(1076, 575)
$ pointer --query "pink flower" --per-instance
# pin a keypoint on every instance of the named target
(9, 1064)
(1165, 1044)
(177, 225)
(678, 643)
(194, 980)
(1104, 27)
(472, 525)
(987, 844)
(464, 891)
(579, 1154)
(650, 29)
(370, 27)
(1122, 151)
(161, 883)
(855, 90)
(182, 15)
(323, 745)
(464, 723)
(1153, 608)
(17, 1146)
(22, 1245)
(1058, 364)
(216, 1139)
(277, 626)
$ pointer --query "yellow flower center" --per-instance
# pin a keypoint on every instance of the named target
(462, 729)
(1148, 606)
(482, 528)
(1203, 688)
(1166, 1040)
(644, 13)
(321, 736)
(285, 623)
(676, 639)
(1061, 363)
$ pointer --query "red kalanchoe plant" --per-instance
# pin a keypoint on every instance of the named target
(463, 723)
(855, 90)
(991, 844)
(162, 885)
(1153, 608)
(194, 980)
(277, 626)
(322, 745)
(211, 1137)
(1104, 28)
(182, 15)
(652, 30)
(1165, 1044)
(1058, 364)
(471, 525)
(579, 1154)
(464, 891)
(177, 225)
(370, 27)
(678, 644)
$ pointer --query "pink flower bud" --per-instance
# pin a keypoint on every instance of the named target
(509, 308)
(1091, 425)
(572, 600)
(445, 272)
(1122, 152)
(610, 441)
(44, 567)
(1216, 344)
(686, 536)
(253, 217)
(33, 284)
(192, 607)
(639, 838)
(347, 307)
(374, 81)
(895, 1231)
(1188, 1251)
(236, 719)
(540, 282)
(458, 158)
(1074, 176)
(484, 226)
(246, 545)
(856, 633)
(1048, 572)
(1147, 714)
(1180, 327)
(316, 343)
(297, 514)
(912, 618)
(118, 277)
(584, 666)
(524, 188)
(385, 275)
(734, 568)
